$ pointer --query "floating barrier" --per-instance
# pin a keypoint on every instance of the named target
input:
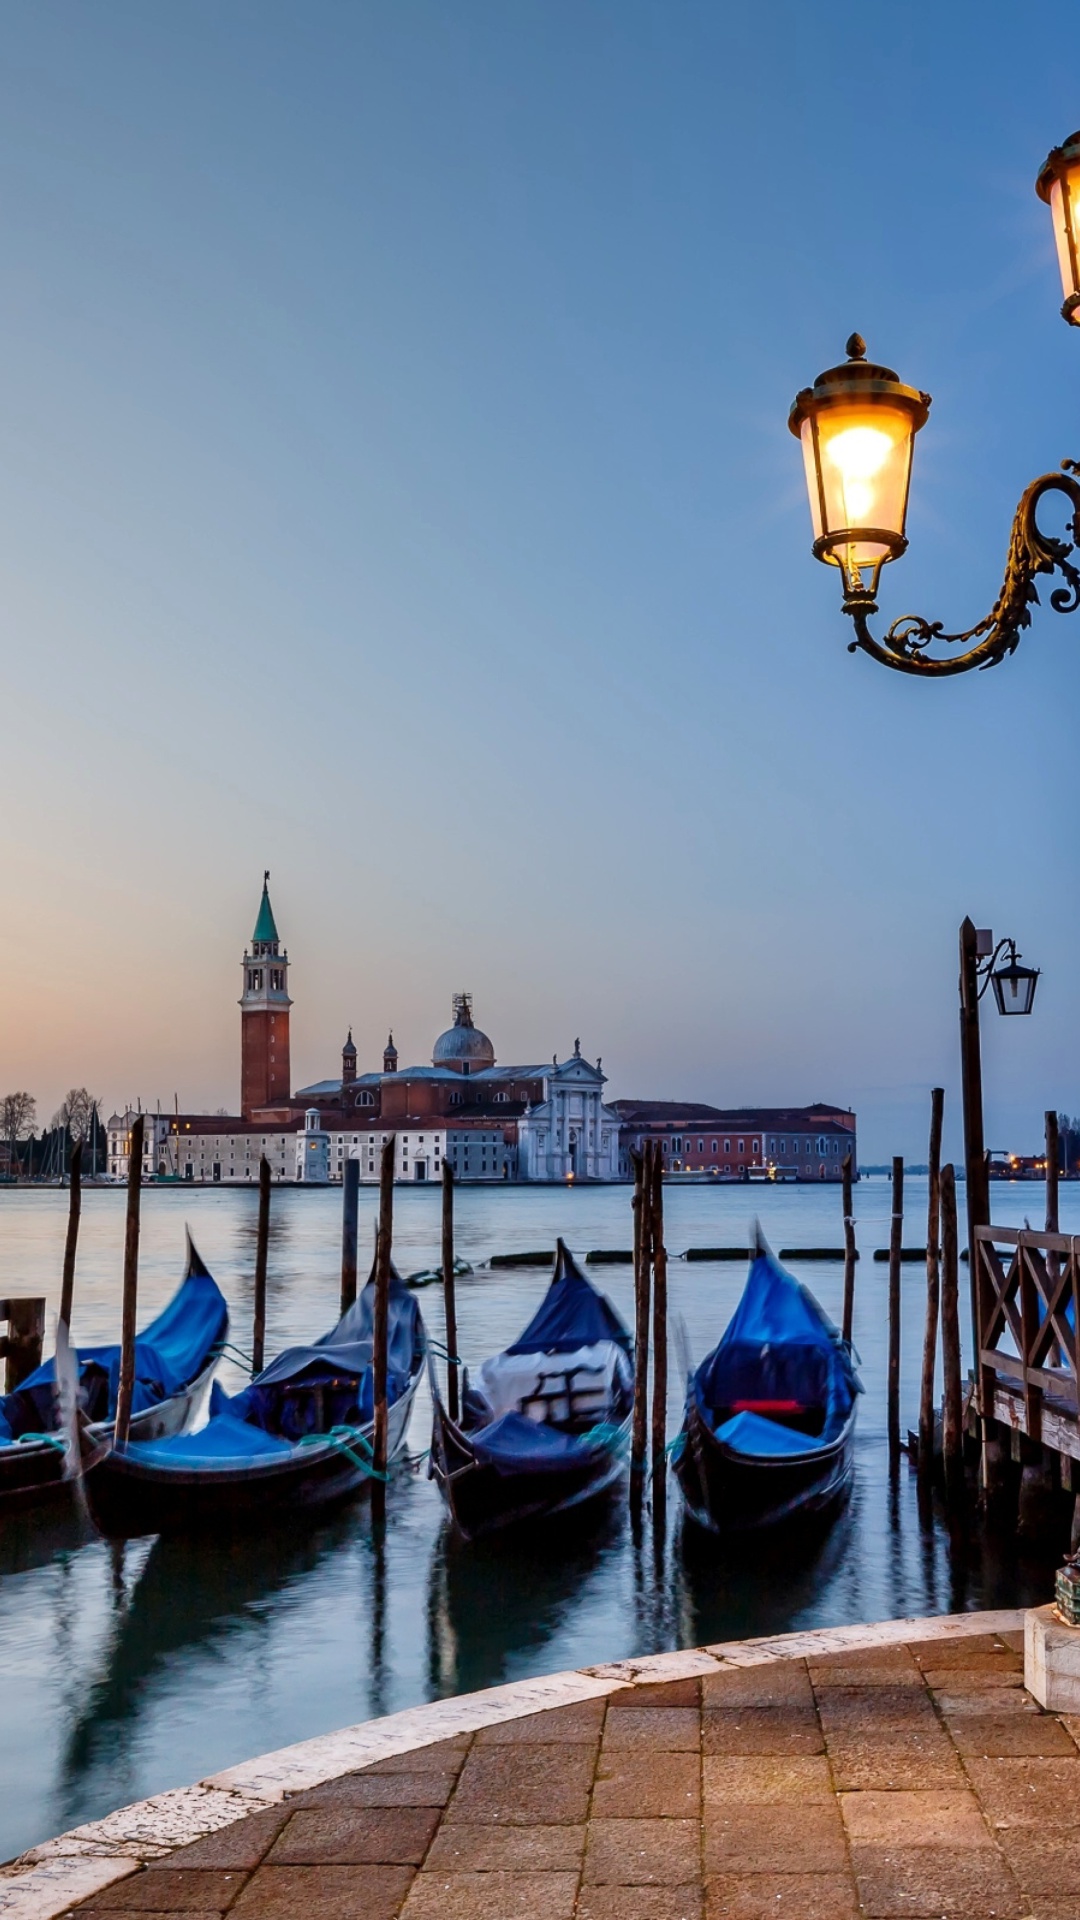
(522, 1259)
(716, 1253)
(813, 1253)
(906, 1253)
(609, 1257)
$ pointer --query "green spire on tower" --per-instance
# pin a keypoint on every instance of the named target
(265, 932)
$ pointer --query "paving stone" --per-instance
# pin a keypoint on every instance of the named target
(639, 1903)
(115, 1913)
(661, 1693)
(377, 1790)
(642, 1852)
(982, 1700)
(786, 1683)
(640, 1786)
(787, 1896)
(487, 1896)
(1028, 1792)
(941, 1653)
(973, 1680)
(973, 1882)
(848, 1709)
(775, 1730)
(577, 1723)
(762, 1780)
(1046, 1862)
(994, 1737)
(899, 1655)
(914, 1819)
(526, 1785)
(867, 1762)
(766, 1839)
(467, 1849)
(1014, 1639)
(347, 1836)
(172, 1889)
(867, 1675)
(235, 1849)
(324, 1893)
(442, 1756)
(671, 1729)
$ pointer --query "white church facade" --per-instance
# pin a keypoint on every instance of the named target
(570, 1134)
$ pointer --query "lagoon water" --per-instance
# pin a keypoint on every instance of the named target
(127, 1670)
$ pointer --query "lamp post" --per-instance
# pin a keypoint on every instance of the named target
(1014, 991)
(857, 425)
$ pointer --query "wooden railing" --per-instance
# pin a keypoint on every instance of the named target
(1034, 1299)
(20, 1347)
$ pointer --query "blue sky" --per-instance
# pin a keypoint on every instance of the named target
(396, 491)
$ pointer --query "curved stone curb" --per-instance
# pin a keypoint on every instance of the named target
(50, 1878)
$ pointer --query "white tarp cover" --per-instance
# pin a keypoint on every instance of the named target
(537, 1384)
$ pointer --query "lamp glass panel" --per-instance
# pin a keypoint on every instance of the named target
(860, 473)
(1065, 213)
(1014, 988)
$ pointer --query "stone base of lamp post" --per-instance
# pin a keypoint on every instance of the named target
(1052, 1660)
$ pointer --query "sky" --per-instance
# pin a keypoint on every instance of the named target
(396, 492)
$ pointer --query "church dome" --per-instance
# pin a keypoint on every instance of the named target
(463, 1048)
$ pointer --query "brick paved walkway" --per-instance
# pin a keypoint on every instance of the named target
(906, 1780)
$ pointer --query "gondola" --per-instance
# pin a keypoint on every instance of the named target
(297, 1439)
(546, 1427)
(769, 1429)
(174, 1360)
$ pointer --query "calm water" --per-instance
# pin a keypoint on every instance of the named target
(125, 1671)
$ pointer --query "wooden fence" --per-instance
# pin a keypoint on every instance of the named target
(1029, 1297)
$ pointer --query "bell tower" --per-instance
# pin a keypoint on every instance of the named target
(265, 1079)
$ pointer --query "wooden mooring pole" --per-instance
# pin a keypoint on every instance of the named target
(262, 1248)
(126, 1386)
(933, 1286)
(847, 1171)
(642, 1164)
(20, 1347)
(660, 1332)
(453, 1403)
(896, 1242)
(350, 1226)
(1053, 1161)
(67, 1287)
(381, 1326)
(952, 1423)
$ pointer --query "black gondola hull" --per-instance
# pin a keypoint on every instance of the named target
(483, 1500)
(33, 1475)
(730, 1492)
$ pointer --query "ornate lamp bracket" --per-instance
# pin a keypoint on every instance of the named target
(1031, 552)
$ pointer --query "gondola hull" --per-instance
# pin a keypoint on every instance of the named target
(726, 1491)
(32, 1473)
(129, 1496)
(483, 1500)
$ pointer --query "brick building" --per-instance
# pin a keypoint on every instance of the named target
(742, 1143)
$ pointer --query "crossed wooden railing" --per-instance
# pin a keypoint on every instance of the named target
(1035, 1301)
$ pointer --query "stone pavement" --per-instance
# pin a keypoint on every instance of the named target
(914, 1779)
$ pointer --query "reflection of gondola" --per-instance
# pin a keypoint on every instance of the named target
(295, 1440)
(769, 1429)
(174, 1359)
(546, 1428)
(493, 1612)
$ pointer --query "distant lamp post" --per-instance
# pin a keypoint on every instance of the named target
(1059, 185)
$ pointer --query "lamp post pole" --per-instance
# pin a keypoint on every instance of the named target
(977, 1183)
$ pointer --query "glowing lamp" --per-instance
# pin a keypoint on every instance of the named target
(1059, 185)
(1014, 985)
(857, 425)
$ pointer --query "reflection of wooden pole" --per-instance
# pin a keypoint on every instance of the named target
(126, 1386)
(933, 1285)
(381, 1324)
(849, 1249)
(453, 1403)
(262, 1246)
(350, 1221)
(952, 1437)
(659, 1400)
(896, 1242)
(642, 1249)
(72, 1241)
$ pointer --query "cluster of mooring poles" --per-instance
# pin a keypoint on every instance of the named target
(650, 1291)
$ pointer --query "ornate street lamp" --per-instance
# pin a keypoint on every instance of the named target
(857, 425)
(1059, 185)
(1014, 985)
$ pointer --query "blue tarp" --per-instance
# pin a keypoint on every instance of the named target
(169, 1355)
(516, 1443)
(779, 1347)
(280, 1408)
(572, 1314)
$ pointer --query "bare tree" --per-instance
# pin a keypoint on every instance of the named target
(76, 1113)
(18, 1117)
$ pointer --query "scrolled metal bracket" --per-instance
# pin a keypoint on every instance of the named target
(1031, 552)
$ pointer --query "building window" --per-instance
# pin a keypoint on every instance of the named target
(714, 1146)
(727, 1146)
